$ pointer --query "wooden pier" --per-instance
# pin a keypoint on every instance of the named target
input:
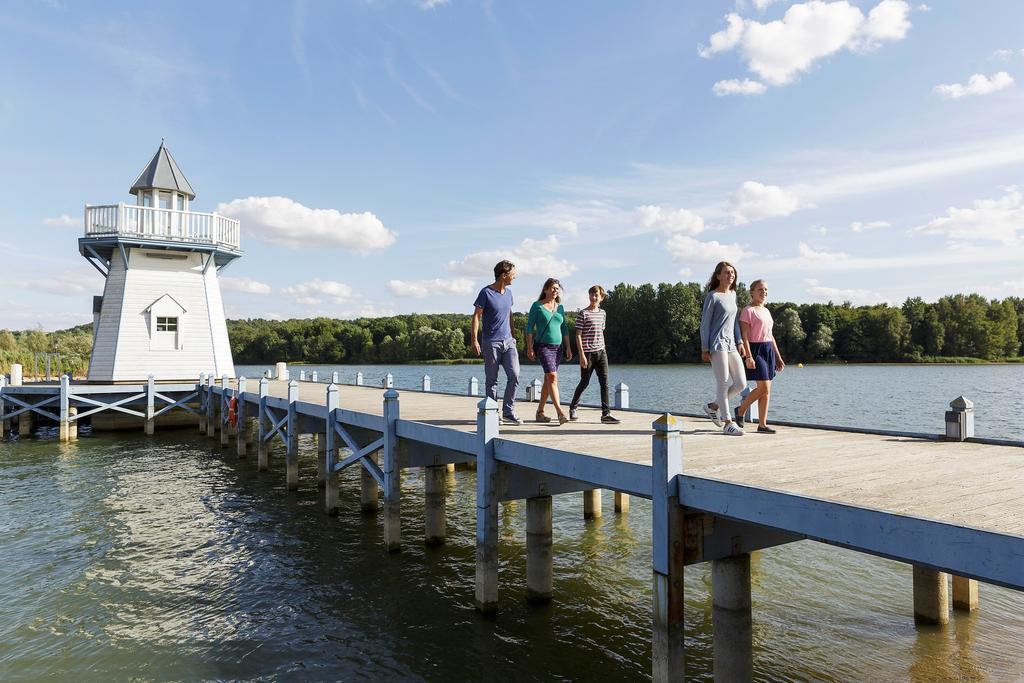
(947, 504)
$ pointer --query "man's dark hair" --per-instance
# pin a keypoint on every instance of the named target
(502, 267)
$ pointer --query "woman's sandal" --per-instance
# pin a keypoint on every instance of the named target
(541, 417)
(562, 419)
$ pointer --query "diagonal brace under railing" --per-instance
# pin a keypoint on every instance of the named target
(33, 407)
(116, 405)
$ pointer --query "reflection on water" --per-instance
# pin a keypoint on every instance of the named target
(169, 558)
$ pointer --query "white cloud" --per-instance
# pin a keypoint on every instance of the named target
(923, 8)
(858, 226)
(431, 4)
(678, 221)
(68, 283)
(734, 86)
(244, 284)
(780, 50)
(420, 289)
(762, 5)
(1003, 55)
(316, 291)
(63, 221)
(754, 201)
(567, 226)
(978, 84)
(565, 217)
(284, 221)
(806, 252)
(998, 220)
(858, 297)
(686, 249)
(532, 257)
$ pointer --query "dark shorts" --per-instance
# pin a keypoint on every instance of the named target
(764, 362)
(549, 355)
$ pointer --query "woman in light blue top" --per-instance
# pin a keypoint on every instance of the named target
(720, 343)
(546, 332)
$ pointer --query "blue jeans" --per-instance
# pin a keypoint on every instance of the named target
(501, 352)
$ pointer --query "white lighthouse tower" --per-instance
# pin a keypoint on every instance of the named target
(161, 312)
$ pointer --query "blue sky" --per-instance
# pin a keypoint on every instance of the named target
(381, 155)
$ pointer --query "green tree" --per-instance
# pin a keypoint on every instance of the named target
(789, 333)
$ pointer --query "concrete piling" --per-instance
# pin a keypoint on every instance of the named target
(731, 619)
(369, 490)
(292, 439)
(668, 645)
(486, 593)
(392, 473)
(965, 594)
(621, 502)
(931, 596)
(435, 477)
(539, 562)
(321, 459)
(592, 504)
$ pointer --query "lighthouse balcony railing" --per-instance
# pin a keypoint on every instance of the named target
(149, 222)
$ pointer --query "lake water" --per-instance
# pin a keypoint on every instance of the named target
(169, 559)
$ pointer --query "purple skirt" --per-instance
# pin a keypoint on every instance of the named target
(549, 355)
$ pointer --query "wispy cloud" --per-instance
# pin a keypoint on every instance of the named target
(978, 84)
(409, 90)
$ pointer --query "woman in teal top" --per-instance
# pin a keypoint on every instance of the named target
(546, 331)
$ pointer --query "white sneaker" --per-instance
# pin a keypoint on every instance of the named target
(713, 414)
(730, 429)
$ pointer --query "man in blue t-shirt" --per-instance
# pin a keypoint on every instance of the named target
(497, 344)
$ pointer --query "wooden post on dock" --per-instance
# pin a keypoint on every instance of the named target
(474, 386)
(426, 382)
(201, 389)
(539, 561)
(435, 477)
(731, 618)
(592, 504)
(149, 427)
(65, 403)
(331, 451)
(334, 378)
(369, 489)
(668, 645)
(225, 411)
(302, 375)
(359, 379)
(281, 370)
(931, 596)
(262, 455)
(486, 507)
(621, 401)
(211, 409)
(321, 458)
(291, 457)
(392, 474)
(315, 377)
(241, 426)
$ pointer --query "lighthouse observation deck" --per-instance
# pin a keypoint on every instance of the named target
(165, 225)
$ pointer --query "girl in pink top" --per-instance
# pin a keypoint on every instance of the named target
(763, 359)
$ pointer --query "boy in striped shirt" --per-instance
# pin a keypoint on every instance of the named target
(590, 323)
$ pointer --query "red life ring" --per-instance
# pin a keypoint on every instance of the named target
(233, 411)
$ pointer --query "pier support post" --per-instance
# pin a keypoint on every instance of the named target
(539, 563)
(291, 476)
(426, 382)
(5, 425)
(474, 386)
(435, 477)
(592, 504)
(731, 618)
(931, 596)
(334, 378)
(211, 409)
(262, 454)
(241, 423)
(668, 645)
(965, 594)
(369, 490)
(225, 402)
(621, 502)
(388, 382)
(321, 459)
(150, 425)
(201, 388)
(621, 395)
(486, 507)
(315, 377)
(302, 375)
(72, 423)
(65, 391)
(281, 371)
(359, 379)
(392, 474)
(26, 422)
(331, 452)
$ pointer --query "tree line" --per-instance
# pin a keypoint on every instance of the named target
(661, 324)
(646, 324)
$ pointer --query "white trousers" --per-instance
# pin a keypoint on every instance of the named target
(730, 378)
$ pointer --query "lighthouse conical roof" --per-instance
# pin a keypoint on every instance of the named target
(162, 173)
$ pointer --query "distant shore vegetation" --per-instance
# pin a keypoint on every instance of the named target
(649, 324)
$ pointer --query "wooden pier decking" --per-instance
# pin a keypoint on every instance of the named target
(940, 505)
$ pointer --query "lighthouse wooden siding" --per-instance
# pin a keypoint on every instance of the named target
(161, 314)
(124, 348)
